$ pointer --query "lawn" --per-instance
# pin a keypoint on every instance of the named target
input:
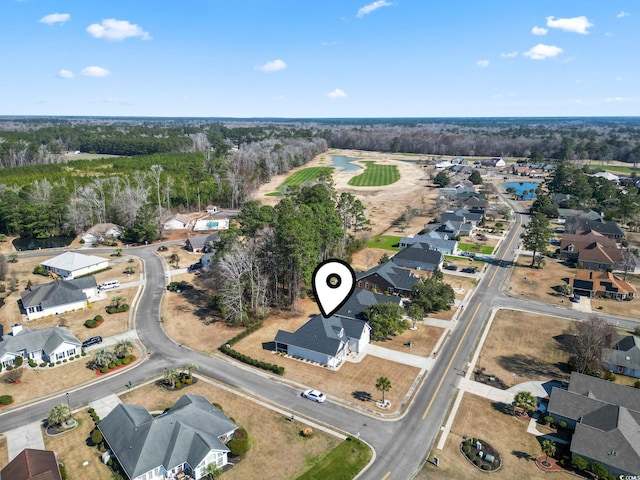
(386, 242)
(376, 175)
(472, 247)
(538, 284)
(342, 463)
(302, 176)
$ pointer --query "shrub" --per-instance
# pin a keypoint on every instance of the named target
(91, 323)
(63, 471)
(91, 410)
(96, 436)
(5, 399)
(104, 370)
(486, 466)
(18, 362)
(98, 318)
(112, 365)
(239, 444)
(470, 455)
(43, 364)
(598, 469)
(218, 406)
(32, 363)
(187, 381)
(64, 360)
(548, 420)
(579, 462)
(178, 385)
(467, 442)
(77, 356)
(126, 361)
(9, 368)
(562, 424)
(39, 270)
(466, 448)
(307, 432)
(478, 462)
(636, 384)
(118, 362)
(58, 362)
(51, 364)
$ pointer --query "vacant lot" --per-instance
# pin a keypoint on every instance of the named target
(423, 340)
(538, 284)
(617, 307)
(477, 417)
(532, 346)
(385, 242)
(271, 434)
(376, 175)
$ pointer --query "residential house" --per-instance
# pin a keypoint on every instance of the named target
(177, 222)
(182, 441)
(591, 250)
(452, 228)
(494, 162)
(605, 284)
(32, 464)
(419, 256)
(608, 176)
(387, 278)
(42, 345)
(360, 299)
(443, 165)
(459, 161)
(212, 209)
(624, 357)
(461, 169)
(607, 228)
(326, 341)
(605, 417)
(460, 188)
(58, 297)
(522, 170)
(70, 265)
(574, 215)
(436, 240)
(474, 204)
(201, 243)
(101, 233)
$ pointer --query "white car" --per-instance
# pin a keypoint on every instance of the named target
(314, 395)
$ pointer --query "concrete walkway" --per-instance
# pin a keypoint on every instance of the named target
(27, 436)
(400, 357)
(104, 405)
(486, 391)
(434, 322)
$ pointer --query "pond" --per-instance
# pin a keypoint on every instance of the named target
(520, 187)
(33, 243)
(346, 163)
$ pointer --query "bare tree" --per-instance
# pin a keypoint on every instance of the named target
(590, 338)
(167, 191)
(156, 173)
(4, 268)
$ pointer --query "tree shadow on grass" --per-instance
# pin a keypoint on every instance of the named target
(502, 408)
(362, 396)
(526, 366)
(565, 342)
(523, 455)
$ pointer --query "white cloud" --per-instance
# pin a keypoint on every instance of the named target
(539, 31)
(273, 66)
(542, 51)
(372, 6)
(94, 71)
(618, 78)
(55, 18)
(483, 63)
(575, 24)
(337, 93)
(618, 99)
(623, 14)
(112, 29)
(608, 34)
(65, 74)
(509, 54)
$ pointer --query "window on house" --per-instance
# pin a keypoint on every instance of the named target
(360, 284)
(71, 352)
(366, 285)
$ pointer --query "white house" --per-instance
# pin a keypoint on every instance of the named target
(183, 441)
(43, 345)
(211, 209)
(101, 232)
(70, 265)
(58, 297)
(177, 222)
(609, 176)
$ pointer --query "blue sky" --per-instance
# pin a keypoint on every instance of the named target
(312, 58)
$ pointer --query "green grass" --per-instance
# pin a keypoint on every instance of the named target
(617, 169)
(386, 242)
(376, 175)
(343, 462)
(301, 176)
(470, 247)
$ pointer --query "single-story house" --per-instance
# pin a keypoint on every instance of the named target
(211, 209)
(58, 297)
(453, 228)
(443, 165)
(388, 278)
(606, 284)
(31, 464)
(177, 222)
(462, 215)
(605, 418)
(607, 228)
(459, 188)
(184, 440)
(434, 240)
(326, 341)
(360, 299)
(474, 204)
(608, 176)
(102, 232)
(461, 169)
(494, 162)
(42, 345)
(624, 357)
(419, 256)
(201, 243)
(70, 265)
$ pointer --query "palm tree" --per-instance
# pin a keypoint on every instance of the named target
(103, 357)
(383, 384)
(212, 471)
(189, 368)
(526, 401)
(117, 301)
(170, 376)
(123, 348)
(59, 414)
(548, 448)
(175, 259)
(118, 252)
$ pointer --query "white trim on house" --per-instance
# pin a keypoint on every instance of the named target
(70, 265)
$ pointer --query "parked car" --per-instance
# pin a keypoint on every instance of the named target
(195, 266)
(575, 298)
(451, 267)
(315, 395)
(468, 254)
(92, 341)
(469, 270)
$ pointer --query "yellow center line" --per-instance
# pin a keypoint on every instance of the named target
(455, 353)
(386, 475)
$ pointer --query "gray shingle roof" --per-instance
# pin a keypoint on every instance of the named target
(419, 252)
(625, 353)
(186, 433)
(43, 339)
(57, 292)
(323, 335)
(396, 276)
(361, 299)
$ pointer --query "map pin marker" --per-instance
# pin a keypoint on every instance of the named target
(333, 283)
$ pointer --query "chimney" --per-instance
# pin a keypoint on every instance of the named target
(16, 328)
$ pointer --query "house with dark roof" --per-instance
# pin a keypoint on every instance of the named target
(452, 227)
(419, 256)
(624, 357)
(184, 440)
(605, 284)
(607, 228)
(388, 278)
(605, 418)
(201, 243)
(360, 299)
(57, 297)
(326, 341)
(474, 204)
(436, 240)
(32, 464)
(70, 265)
(42, 345)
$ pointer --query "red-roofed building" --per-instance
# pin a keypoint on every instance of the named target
(606, 284)
(32, 464)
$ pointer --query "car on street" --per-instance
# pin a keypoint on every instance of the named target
(315, 395)
(451, 267)
(92, 341)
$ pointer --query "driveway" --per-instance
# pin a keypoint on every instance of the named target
(27, 436)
